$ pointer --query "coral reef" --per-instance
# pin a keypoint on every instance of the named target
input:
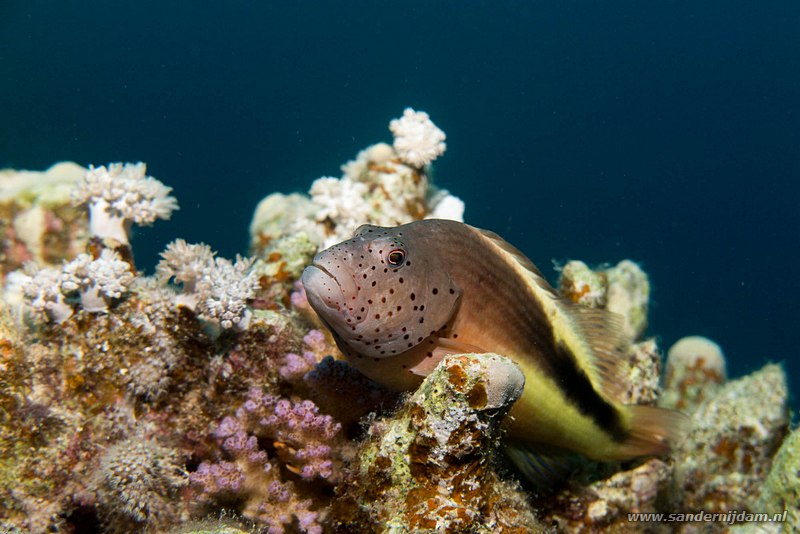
(208, 397)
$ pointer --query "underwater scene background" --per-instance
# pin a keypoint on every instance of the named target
(154, 379)
(666, 133)
(663, 133)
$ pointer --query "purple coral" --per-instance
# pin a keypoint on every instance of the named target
(298, 297)
(295, 366)
(315, 340)
(302, 435)
(304, 443)
(221, 477)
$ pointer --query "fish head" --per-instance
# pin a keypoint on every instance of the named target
(381, 293)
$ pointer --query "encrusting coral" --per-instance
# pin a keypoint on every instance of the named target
(208, 397)
(430, 468)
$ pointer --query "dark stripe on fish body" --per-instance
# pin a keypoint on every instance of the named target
(577, 387)
(522, 314)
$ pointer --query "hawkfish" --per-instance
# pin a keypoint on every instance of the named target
(397, 300)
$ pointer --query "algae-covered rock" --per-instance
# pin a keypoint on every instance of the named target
(278, 215)
(782, 487)
(280, 264)
(724, 461)
(604, 505)
(643, 373)
(580, 284)
(38, 220)
(623, 289)
(695, 371)
(628, 295)
(429, 468)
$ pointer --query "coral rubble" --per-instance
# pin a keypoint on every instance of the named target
(208, 397)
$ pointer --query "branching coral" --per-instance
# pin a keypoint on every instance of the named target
(216, 288)
(303, 443)
(295, 366)
(99, 281)
(42, 291)
(302, 436)
(119, 195)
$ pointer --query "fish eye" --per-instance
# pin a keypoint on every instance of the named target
(396, 257)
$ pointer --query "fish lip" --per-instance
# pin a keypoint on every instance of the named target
(324, 270)
(332, 305)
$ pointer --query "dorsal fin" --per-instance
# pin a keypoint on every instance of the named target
(521, 258)
(602, 331)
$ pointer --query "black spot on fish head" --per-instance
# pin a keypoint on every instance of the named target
(382, 291)
(410, 294)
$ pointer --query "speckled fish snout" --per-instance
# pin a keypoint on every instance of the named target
(330, 284)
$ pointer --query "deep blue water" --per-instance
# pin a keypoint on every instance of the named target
(665, 132)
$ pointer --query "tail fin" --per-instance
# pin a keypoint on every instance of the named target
(653, 431)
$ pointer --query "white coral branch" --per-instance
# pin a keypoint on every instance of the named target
(119, 195)
(417, 140)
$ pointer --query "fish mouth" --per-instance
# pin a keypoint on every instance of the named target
(323, 288)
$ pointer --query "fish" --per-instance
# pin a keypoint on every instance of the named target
(397, 300)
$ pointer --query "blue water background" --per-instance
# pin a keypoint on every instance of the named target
(665, 132)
